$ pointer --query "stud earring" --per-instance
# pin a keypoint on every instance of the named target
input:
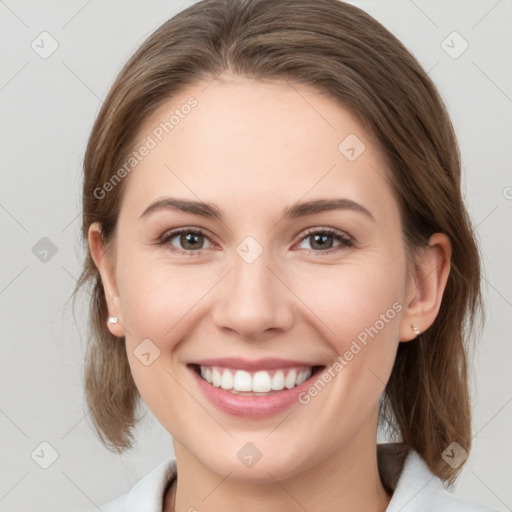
(113, 320)
(414, 327)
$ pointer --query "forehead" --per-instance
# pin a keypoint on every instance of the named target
(254, 143)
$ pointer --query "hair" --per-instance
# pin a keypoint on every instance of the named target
(343, 52)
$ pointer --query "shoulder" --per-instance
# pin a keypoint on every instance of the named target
(147, 494)
(418, 490)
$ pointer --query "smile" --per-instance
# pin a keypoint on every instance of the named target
(262, 381)
(252, 389)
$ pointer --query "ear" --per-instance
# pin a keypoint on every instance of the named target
(426, 285)
(106, 270)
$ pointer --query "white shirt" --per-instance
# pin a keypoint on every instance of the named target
(414, 488)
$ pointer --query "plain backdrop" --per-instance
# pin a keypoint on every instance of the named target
(48, 104)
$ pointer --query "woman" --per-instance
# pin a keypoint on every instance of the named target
(280, 259)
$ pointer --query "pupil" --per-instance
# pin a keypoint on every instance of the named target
(321, 240)
(188, 240)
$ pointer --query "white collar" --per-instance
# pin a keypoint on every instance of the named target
(415, 488)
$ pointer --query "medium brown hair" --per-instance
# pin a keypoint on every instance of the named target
(343, 52)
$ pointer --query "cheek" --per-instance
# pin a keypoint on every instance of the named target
(160, 303)
(354, 297)
(156, 298)
(358, 308)
(157, 301)
(362, 309)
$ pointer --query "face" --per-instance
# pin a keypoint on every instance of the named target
(257, 291)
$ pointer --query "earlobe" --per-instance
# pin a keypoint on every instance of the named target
(427, 283)
(104, 265)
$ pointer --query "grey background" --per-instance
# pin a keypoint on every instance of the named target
(48, 106)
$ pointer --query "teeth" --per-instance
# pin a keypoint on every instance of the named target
(258, 382)
(216, 377)
(242, 381)
(261, 382)
(291, 379)
(302, 377)
(278, 380)
(227, 380)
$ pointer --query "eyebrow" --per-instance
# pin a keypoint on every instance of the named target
(297, 210)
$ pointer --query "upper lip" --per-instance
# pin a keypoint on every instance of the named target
(252, 364)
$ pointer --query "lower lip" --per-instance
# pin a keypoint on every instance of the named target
(251, 406)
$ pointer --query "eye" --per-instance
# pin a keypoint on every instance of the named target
(191, 240)
(187, 240)
(322, 240)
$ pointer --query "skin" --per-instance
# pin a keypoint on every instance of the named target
(254, 148)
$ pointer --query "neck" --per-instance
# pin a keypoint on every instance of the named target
(348, 478)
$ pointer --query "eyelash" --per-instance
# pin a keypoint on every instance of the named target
(345, 240)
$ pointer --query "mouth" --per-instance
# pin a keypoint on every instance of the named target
(254, 383)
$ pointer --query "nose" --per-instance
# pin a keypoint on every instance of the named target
(253, 300)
